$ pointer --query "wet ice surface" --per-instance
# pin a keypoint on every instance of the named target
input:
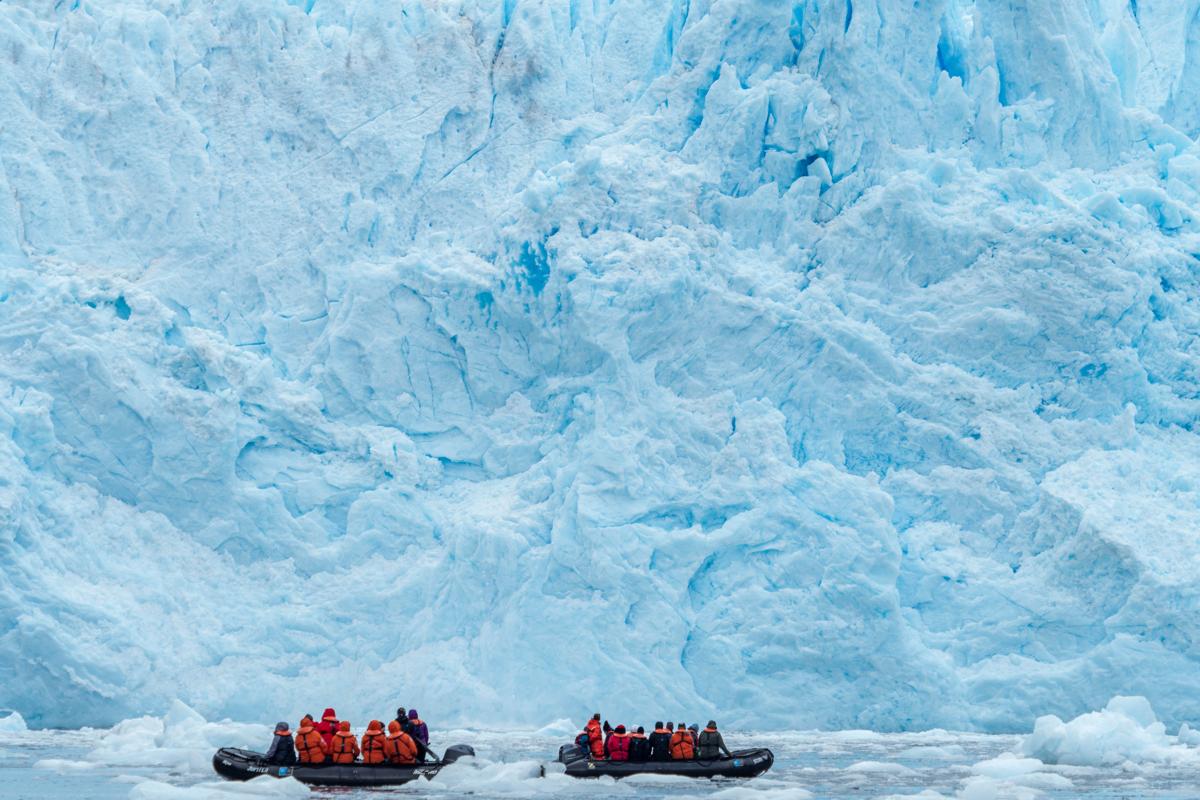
(849, 764)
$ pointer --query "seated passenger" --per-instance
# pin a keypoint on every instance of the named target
(372, 743)
(281, 750)
(327, 727)
(399, 747)
(639, 745)
(345, 747)
(660, 743)
(618, 745)
(309, 744)
(712, 744)
(681, 744)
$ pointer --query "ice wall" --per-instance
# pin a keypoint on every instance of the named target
(811, 364)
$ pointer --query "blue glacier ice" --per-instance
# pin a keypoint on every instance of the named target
(810, 364)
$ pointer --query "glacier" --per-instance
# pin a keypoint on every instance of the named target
(813, 364)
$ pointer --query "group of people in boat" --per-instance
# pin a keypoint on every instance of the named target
(668, 742)
(331, 741)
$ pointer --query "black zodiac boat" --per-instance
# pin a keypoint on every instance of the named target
(242, 765)
(740, 764)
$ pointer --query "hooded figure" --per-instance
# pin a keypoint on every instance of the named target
(281, 750)
(309, 744)
(418, 730)
(399, 747)
(711, 742)
(372, 743)
(345, 747)
(618, 744)
(327, 727)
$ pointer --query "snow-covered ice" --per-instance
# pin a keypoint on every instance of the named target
(808, 364)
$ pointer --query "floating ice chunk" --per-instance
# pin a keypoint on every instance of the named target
(948, 752)
(13, 723)
(560, 727)
(512, 779)
(1188, 735)
(752, 793)
(64, 764)
(1007, 766)
(262, 786)
(888, 767)
(181, 740)
(1126, 730)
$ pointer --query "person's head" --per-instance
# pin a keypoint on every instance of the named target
(641, 729)
(682, 726)
(393, 727)
(401, 712)
(375, 726)
(344, 726)
(329, 716)
(658, 726)
(712, 724)
(670, 726)
(306, 718)
(306, 724)
(693, 727)
(281, 728)
(596, 716)
(621, 729)
(412, 714)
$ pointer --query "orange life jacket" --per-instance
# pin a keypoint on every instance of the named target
(682, 747)
(345, 746)
(595, 738)
(399, 747)
(372, 744)
(309, 745)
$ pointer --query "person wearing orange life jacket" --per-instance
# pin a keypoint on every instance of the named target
(618, 745)
(639, 745)
(309, 743)
(660, 743)
(399, 747)
(595, 736)
(372, 743)
(682, 748)
(344, 748)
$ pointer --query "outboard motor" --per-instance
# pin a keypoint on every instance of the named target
(571, 752)
(456, 752)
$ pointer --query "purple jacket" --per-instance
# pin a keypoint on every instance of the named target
(418, 729)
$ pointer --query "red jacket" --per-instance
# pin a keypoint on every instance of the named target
(618, 747)
(327, 727)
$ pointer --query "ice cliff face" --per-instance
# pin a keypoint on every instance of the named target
(817, 364)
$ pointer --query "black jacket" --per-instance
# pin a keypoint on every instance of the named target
(660, 746)
(639, 749)
(711, 744)
(283, 751)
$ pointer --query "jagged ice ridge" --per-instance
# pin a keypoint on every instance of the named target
(810, 364)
